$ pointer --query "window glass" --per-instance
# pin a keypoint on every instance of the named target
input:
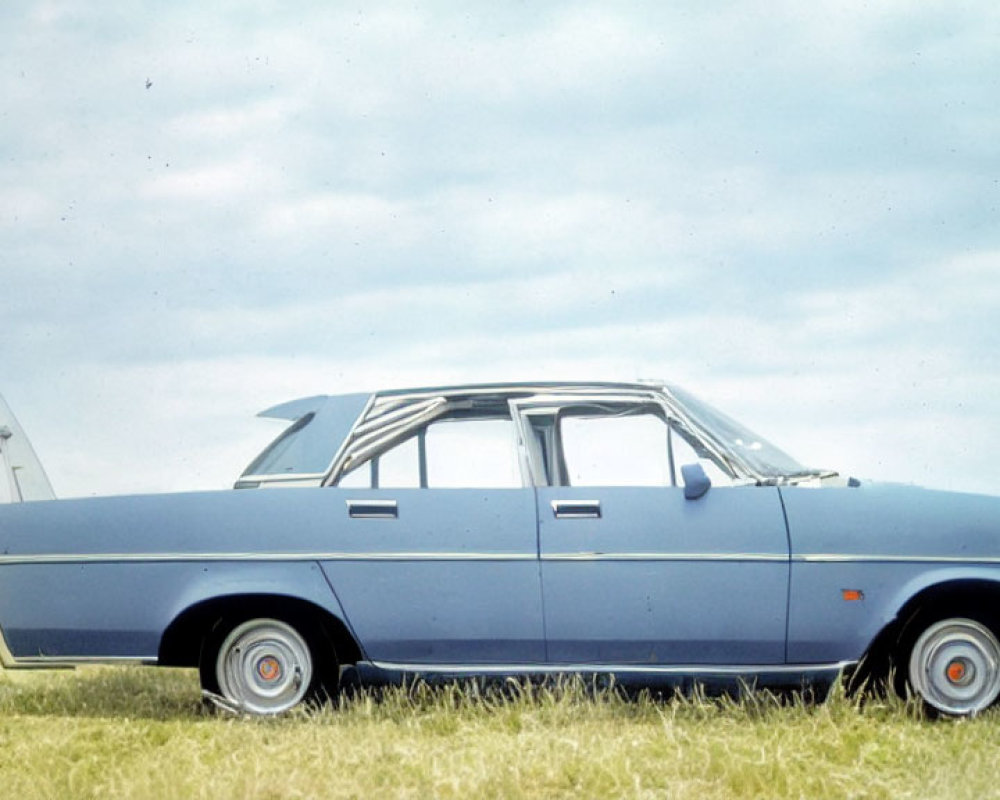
(399, 468)
(630, 450)
(479, 453)
(460, 453)
(615, 450)
(684, 453)
(360, 478)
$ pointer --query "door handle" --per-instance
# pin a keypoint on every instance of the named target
(576, 509)
(372, 509)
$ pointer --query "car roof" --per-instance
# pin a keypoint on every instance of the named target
(295, 409)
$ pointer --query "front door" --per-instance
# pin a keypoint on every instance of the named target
(635, 574)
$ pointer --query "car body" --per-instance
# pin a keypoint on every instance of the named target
(625, 529)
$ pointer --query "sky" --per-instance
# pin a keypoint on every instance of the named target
(791, 209)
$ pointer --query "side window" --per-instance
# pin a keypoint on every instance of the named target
(478, 453)
(360, 478)
(628, 450)
(684, 453)
(400, 466)
(615, 450)
(449, 454)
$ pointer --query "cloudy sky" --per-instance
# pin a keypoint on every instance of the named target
(789, 208)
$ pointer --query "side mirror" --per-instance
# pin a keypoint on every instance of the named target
(696, 482)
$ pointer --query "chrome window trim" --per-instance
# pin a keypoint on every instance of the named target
(283, 477)
(552, 401)
(366, 438)
(398, 415)
(337, 463)
(369, 438)
(376, 426)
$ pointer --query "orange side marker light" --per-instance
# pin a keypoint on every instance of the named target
(852, 595)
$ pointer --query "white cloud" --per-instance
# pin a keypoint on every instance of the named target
(223, 122)
(220, 181)
(341, 215)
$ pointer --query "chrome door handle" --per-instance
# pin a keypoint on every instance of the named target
(372, 509)
(576, 509)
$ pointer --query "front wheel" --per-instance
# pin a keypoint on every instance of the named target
(263, 666)
(955, 666)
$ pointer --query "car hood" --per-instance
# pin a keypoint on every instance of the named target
(892, 520)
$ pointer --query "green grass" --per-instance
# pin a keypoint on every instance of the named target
(140, 732)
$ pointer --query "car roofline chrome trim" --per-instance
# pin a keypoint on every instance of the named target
(528, 387)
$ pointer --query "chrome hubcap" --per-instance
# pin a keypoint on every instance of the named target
(264, 666)
(955, 666)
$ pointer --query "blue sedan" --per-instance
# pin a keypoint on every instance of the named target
(626, 529)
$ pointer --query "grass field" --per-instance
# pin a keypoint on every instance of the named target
(140, 732)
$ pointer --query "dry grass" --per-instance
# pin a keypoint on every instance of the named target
(120, 732)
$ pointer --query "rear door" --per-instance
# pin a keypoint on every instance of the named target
(441, 558)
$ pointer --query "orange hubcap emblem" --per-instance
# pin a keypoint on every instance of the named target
(955, 671)
(269, 669)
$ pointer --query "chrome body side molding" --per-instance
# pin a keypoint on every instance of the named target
(888, 558)
(391, 673)
(117, 558)
(387, 513)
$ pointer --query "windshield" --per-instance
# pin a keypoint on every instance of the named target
(745, 446)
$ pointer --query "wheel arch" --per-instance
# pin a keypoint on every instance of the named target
(182, 641)
(953, 596)
(968, 596)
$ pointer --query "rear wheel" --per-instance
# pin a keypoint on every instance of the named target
(265, 666)
(954, 665)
